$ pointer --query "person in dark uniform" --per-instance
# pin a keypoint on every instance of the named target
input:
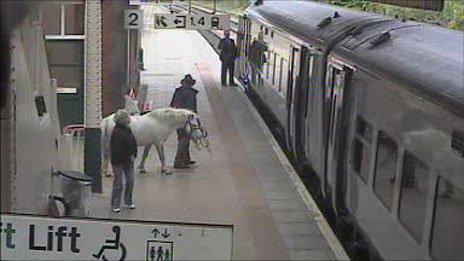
(123, 152)
(227, 55)
(257, 57)
(184, 97)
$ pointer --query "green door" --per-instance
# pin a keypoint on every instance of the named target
(71, 108)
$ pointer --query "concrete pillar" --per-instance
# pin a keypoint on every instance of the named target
(93, 92)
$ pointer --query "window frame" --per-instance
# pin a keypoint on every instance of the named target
(421, 239)
(366, 144)
(70, 37)
(63, 35)
(67, 89)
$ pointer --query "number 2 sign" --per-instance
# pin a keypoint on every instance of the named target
(133, 19)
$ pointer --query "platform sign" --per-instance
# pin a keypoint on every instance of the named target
(133, 19)
(192, 21)
(39, 238)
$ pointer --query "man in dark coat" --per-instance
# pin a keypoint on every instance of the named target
(227, 55)
(184, 97)
(123, 153)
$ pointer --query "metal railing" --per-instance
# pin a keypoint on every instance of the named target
(71, 148)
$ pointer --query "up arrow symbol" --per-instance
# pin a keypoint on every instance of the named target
(155, 232)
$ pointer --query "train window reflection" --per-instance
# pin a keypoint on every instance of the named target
(413, 202)
(447, 241)
(362, 149)
(364, 129)
(281, 69)
(274, 65)
(385, 168)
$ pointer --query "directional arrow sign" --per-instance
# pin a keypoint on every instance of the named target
(170, 21)
(192, 21)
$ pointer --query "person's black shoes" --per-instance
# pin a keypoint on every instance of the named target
(183, 165)
(180, 166)
(233, 84)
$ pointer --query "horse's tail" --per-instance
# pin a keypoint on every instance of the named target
(105, 145)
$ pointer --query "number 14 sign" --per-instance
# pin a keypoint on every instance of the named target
(209, 22)
(192, 21)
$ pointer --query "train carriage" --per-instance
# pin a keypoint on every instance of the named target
(288, 78)
(401, 157)
(374, 107)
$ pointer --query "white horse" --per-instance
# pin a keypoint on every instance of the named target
(153, 128)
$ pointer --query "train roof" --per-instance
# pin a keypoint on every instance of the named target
(426, 58)
(303, 19)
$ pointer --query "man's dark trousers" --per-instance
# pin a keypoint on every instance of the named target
(227, 65)
(183, 147)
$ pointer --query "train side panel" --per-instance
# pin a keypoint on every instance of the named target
(399, 163)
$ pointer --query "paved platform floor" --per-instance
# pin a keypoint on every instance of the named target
(243, 181)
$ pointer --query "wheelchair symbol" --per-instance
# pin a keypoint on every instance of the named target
(113, 244)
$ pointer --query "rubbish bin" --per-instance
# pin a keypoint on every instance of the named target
(76, 192)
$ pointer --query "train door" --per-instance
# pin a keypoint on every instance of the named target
(293, 72)
(243, 43)
(301, 98)
(336, 83)
(312, 127)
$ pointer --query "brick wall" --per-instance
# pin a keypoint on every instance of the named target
(114, 55)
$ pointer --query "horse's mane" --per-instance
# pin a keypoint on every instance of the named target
(170, 114)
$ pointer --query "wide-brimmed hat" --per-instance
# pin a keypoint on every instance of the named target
(188, 80)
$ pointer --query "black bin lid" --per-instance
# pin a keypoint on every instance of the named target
(75, 175)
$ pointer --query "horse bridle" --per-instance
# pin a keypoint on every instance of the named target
(193, 127)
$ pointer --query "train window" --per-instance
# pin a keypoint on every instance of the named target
(457, 142)
(413, 201)
(274, 65)
(268, 64)
(285, 72)
(364, 129)
(447, 242)
(385, 168)
(281, 73)
(362, 149)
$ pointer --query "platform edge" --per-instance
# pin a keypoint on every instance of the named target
(315, 212)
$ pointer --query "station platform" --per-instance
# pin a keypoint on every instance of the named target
(245, 181)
